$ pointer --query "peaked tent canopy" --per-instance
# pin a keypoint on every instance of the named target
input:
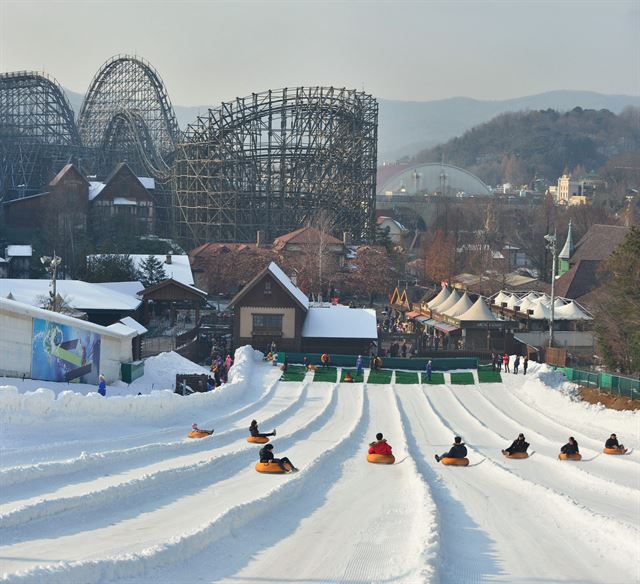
(570, 311)
(479, 312)
(440, 297)
(460, 307)
(500, 297)
(449, 302)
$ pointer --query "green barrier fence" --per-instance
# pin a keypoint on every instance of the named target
(606, 382)
(417, 364)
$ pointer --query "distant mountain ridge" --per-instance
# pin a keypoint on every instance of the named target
(407, 127)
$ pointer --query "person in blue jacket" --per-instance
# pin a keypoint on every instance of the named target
(359, 366)
(102, 385)
(458, 450)
(429, 370)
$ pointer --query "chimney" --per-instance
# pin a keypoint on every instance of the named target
(345, 237)
(169, 259)
(259, 238)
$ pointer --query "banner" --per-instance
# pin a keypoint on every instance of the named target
(64, 353)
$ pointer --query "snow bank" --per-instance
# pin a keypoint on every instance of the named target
(160, 371)
(549, 392)
(35, 407)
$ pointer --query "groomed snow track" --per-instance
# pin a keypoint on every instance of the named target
(150, 505)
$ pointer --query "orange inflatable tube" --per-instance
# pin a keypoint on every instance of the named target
(381, 458)
(563, 456)
(455, 461)
(193, 434)
(614, 451)
(270, 467)
(517, 455)
(258, 439)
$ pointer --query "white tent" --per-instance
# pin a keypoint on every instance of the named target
(541, 311)
(460, 307)
(527, 304)
(479, 312)
(500, 297)
(440, 298)
(512, 302)
(570, 311)
(449, 302)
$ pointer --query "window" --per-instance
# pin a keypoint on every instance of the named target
(267, 288)
(267, 324)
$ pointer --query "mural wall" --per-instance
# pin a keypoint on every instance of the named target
(64, 353)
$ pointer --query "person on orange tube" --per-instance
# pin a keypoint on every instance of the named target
(518, 445)
(266, 455)
(612, 442)
(380, 446)
(253, 430)
(458, 450)
(570, 447)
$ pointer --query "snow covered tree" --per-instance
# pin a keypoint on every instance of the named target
(151, 271)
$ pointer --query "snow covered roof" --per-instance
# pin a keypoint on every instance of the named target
(19, 251)
(179, 269)
(76, 293)
(340, 322)
(134, 324)
(128, 288)
(16, 307)
(451, 301)
(279, 275)
(460, 307)
(440, 297)
(95, 187)
(147, 182)
(123, 201)
(479, 312)
(122, 329)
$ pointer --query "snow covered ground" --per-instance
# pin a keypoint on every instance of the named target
(101, 490)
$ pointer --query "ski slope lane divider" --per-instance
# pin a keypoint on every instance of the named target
(182, 547)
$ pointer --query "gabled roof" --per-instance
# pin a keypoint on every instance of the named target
(599, 242)
(285, 282)
(122, 168)
(460, 307)
(304, 236)
(581, 279)
(450, 302)
(171, 282)
(67, 169)
(440, 297)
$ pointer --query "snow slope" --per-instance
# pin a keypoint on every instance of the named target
(120, 493)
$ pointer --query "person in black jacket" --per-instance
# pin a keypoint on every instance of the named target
(253, 430)
(458, 450)
(518, 445)
(266, 455)
(612, 442)
(570, 447)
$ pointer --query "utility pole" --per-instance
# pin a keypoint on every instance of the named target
(552, 247)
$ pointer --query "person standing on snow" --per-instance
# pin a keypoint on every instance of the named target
(525, 364)
(429, 369)
(505, 361)
(324, 358)
(458, 450)
(380, 446)
(102, 386)
(359, 366)
(516, 364)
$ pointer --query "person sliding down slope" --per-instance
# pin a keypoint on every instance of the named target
(570, 447)
(253, 430)
(518, 445)
(612, 442)
(458, 450)
(194, 428)
(380, 446)
(267, 456)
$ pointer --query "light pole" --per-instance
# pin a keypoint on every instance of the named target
(51, 264)
(552, 247)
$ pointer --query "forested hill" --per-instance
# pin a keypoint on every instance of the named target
(521, 146)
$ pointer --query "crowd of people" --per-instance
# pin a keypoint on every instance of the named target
(500, 362)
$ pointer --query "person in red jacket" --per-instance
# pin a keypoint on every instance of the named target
(380, 446)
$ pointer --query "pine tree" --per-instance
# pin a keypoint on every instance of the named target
(110, 268)
(151, 271)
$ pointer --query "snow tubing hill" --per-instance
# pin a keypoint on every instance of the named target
(193, 434)
(517, 455)
(258, 439)
(381, 458)
(270, 467)
(614, 451)
(454, 461)
(563, 456)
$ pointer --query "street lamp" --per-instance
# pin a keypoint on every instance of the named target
(51, 264)
(552, 247)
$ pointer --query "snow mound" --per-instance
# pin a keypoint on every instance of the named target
(160, 370)
(34, 408)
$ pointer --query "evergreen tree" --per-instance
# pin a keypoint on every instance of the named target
(110, 268)
(382, 238)
(151, 271)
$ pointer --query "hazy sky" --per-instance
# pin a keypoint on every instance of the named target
(209, 51)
